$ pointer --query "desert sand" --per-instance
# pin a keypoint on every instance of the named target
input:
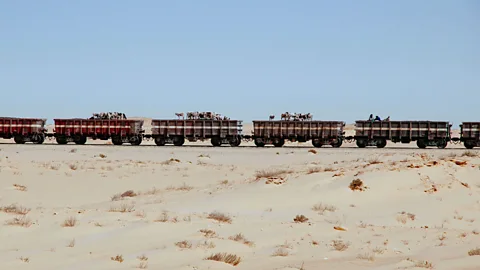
(106, 207)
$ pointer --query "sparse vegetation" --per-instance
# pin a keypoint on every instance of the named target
(118, 258)
(71, 243)
(300, 219)
(241, 238)
(20, 187)
(340, 245)
(313, 151)
(226, 258)
(366, 256)
(15, 209)
(70, 222)
(21, 221)
(170, 161)
(184, 244)
(73, 167)
(124, 208)
(220, 217)
(474, 252)
(163, 217)
(357, 184)
(271, 173)
(322, 208)
(208, 233)
(206, 244)
(470, 153)
(403, 217)
(281, 252)
(120, 196)
(102, 156)
(183, 187)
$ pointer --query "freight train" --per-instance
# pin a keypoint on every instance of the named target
(222, 130)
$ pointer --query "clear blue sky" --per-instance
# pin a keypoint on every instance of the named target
(340, 60)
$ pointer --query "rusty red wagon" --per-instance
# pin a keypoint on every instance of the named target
(77, 130)
(23, 130)
(320, 132)
(175, 131)
(425, 133)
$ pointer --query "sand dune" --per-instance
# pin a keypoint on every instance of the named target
(104, 207)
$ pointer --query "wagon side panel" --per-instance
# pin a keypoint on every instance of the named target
(470, 130)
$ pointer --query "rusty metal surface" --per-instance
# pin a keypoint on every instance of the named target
(306, 129)
(403, 129)
(196, 128)
(22, 126)
(97, 127)
(470, 130)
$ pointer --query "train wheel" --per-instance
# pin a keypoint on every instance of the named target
(381, 143)
(361, 143)
(259, 142)
(469, 144)
(277, 142)
(117, 140)
(337, 143)
(441, 144)
(235, 141)
(137, 140)
(61, 140)
(178, 141)
(160, 141)
(421, 144)
(216, 141)
(19, 139)
(38, 138)
(317, 143)
(81, 140)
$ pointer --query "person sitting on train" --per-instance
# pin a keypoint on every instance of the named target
(377, 118)
(387, 119)
(370, 118)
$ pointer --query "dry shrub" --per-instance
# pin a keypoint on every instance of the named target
(469, 153)
(322, 208)
(281, 252)
(313, 170)
(339, 245)
(208, 233)
(71, 243)
(313, 151)
(206, 244)
(357, 184)
(124, 208)
(118, 258)
(102, 155)
(69, 222)
(142, 265)
(183, 244)
(366, 256)
(24, 259)
(220, 217)
(300, 219)
(424, 264)
(21, 221)
(73, 167)
(374, 160)
(378, 250)
(241, 238)
(183, 187)
(170, 161)
(163, 217)
(20, 187)
(271, 173)
(15, 209)
(474, 252)
(402, 217)
(225, 257)
(142, 258)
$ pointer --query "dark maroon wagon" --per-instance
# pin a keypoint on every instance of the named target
(425, 133)
(23, 130)
(276, 132)
(175, 131)
(470, 134)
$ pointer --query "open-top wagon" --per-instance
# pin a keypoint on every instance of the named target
(78, 130)
(276, 132)
(470, 134)
(175, 131)
(23, 129)
(425, 133)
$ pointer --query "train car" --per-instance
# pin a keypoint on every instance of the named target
(470, 134)
(77, 130)
(276, 132)
(23, 130)
(175, 131)
(425, 133)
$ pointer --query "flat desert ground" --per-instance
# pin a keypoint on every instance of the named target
(146, 207)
